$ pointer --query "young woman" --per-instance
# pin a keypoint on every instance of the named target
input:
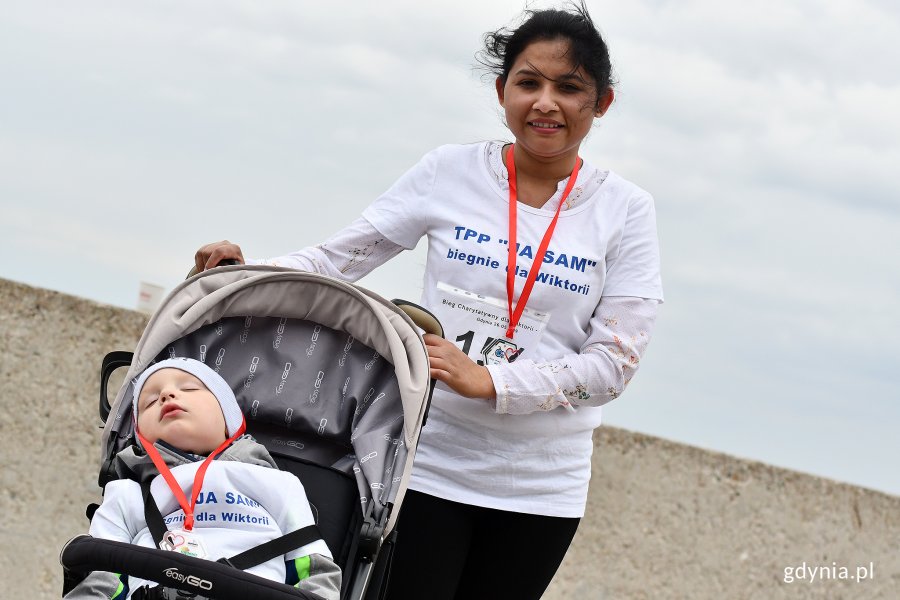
(544, 271)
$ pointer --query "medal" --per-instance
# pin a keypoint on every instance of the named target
(497, 351)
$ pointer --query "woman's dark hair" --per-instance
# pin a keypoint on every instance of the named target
(586, 46)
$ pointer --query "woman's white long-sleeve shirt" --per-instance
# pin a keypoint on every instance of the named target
(594, 306)
(598, 373)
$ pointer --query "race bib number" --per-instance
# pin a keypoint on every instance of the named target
(478, 325)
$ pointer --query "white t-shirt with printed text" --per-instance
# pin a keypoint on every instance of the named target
(241, 506)
(605, 245)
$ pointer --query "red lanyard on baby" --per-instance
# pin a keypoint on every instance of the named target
(516, 313)
(187, 507)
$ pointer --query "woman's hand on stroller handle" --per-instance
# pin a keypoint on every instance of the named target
(212, 255)
(452, 366)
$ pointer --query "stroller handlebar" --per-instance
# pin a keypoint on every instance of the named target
(84, 554)
(222, 263)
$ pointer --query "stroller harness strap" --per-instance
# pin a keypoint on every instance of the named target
(154, 519)
(277, 547)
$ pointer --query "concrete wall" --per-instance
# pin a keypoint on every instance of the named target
(664, 520)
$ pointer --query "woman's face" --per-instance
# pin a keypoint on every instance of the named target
(549, 106)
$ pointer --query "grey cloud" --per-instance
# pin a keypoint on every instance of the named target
(134, 132)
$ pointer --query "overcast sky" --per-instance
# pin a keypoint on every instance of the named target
(768, 131)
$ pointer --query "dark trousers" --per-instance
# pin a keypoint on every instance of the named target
(452, 551)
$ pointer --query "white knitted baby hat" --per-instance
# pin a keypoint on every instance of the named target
(234, 417)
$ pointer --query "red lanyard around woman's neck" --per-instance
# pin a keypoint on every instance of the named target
(515, 313)
(163, 468)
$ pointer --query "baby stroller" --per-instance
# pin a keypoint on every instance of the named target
(333, 380)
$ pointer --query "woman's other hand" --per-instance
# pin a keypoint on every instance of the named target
(211, 255)
(450, 365)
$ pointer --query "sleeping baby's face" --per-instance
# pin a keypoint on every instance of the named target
(174, 406)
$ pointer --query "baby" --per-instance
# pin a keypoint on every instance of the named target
(219, 491)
